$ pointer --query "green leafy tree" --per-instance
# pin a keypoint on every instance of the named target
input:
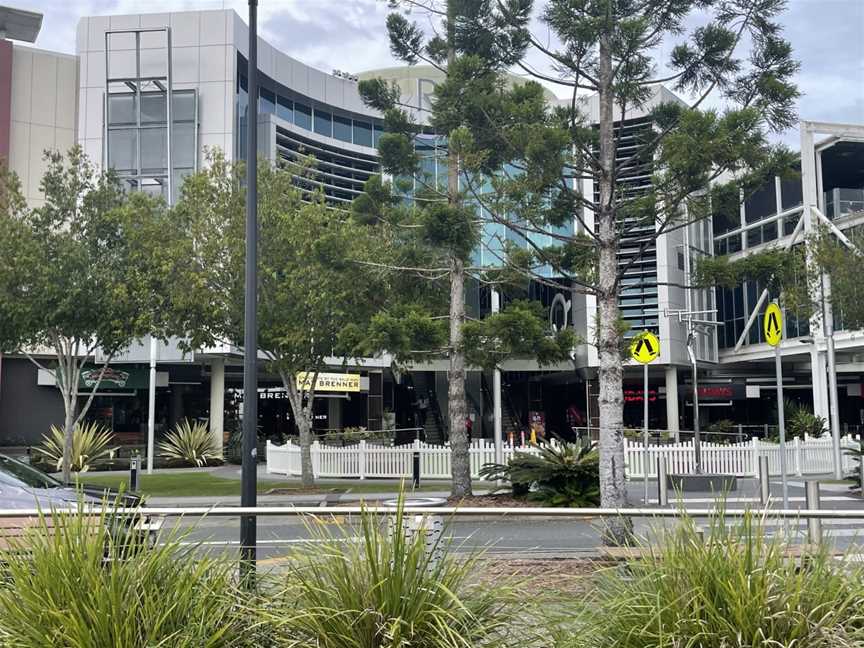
(434, 238)
(314, 301)
(734, 55)
(82, 276)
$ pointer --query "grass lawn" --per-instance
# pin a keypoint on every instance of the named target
(190, 484)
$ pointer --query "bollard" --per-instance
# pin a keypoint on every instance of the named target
(430, 527)
(662, 485)
(764, 481)
(134, 461)
(814, 525)
(416, 469)
(861, 473)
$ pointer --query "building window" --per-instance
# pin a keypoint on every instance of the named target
(342, 128)
(377, 134)
(140, 155)
(267, 102)
(790, 193)
(362, 133)
(303, 115)
(284, 108)
(323, 123)
(761, 204)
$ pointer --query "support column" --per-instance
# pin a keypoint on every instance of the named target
(334, 413)
(818, 377)
(672, 399)
(217, 401)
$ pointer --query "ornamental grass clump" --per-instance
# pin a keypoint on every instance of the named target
(191, 444)
(381, 585)
(736, 588)
(81, 581)
(90, 445)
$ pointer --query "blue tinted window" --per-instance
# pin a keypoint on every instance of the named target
(342, 128)
(323, 123)
(378, 131)
(362, 133)
(303, 116)
(284, 108)
(268, 101)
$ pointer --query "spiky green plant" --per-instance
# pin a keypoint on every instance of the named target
(562, 474)
(190, 443)
(377, 586)
(73, 581)
(735, 588)
(90, 443)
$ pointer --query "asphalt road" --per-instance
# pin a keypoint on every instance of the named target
(514, 536)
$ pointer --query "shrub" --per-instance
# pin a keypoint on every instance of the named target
(71, 582)
(386, 591)
(561, 474)
(800, 421)
(190, 443)
(89, 445)
(735, 588)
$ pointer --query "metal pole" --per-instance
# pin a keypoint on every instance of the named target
(662, 485)
(151, 405)
(169, 114)
(248, 497)
(814, 525)
(781, 424)
(697, 438)
(645, 429)
(764, 481)
(834, 407)
(498, 428)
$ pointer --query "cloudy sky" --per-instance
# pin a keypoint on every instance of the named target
(828, 37)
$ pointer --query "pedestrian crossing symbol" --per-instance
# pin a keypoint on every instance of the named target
(773, 324)
(645, 347)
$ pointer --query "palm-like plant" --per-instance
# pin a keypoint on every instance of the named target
(190, 443)
(563, 474)
(89, 444)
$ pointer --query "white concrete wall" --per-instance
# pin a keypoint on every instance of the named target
(43, 115)
(203, 58)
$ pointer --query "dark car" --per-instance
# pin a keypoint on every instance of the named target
(25, 487)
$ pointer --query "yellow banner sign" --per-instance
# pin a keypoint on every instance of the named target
(328, 382)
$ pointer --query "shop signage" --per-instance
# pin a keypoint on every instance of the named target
(637, 395)
(328, 382)
(724, 392)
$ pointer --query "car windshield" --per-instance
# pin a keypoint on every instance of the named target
(20, 474)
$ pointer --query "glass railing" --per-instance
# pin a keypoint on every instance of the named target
(842, 201)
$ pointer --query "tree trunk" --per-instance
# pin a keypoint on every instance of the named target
(459, 441)
(460, 462)
(303, 418)
(304, 425)
(68, 435)
(613, 488)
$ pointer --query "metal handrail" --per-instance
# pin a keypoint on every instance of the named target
(454, 511)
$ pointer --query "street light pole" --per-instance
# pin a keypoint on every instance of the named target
(248, 497)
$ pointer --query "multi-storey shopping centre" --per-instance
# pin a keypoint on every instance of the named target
(111, 97)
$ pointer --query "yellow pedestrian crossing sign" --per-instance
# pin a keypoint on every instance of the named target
(645, 347)
(772, 324)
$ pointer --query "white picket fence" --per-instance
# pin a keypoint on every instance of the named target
(803, 457)
(363, 460)
(374, 460)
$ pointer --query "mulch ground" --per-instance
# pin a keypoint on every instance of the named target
(500, 500)
(543, 577)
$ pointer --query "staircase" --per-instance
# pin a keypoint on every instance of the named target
(434, 428)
